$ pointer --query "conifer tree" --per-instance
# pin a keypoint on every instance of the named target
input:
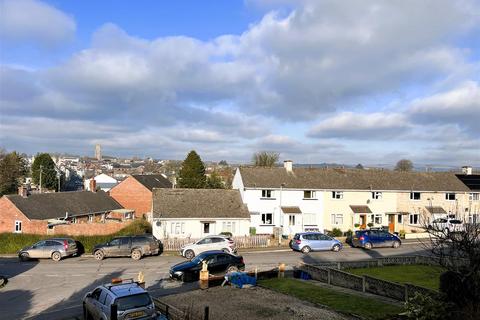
(192, 173)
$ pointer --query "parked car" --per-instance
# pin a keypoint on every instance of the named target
(128, 246)
(132, 301)
(56, 249)
(447, 225)
(209, 243)
(218, 263)
(314, 241)
(375, 238)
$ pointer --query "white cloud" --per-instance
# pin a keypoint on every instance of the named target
(36, 21)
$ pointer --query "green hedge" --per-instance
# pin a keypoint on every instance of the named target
(12, 242)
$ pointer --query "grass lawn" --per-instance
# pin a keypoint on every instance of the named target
(364, 307)
(425, 276)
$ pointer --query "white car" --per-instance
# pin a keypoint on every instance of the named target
(447, 225)
(208, 243)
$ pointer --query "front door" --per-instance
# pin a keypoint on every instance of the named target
(391, 223)
(363, 221)
(206, 228)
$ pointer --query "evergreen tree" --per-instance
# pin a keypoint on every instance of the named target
(215, 182)
(12, 170)
(44, 162)
(192, 173)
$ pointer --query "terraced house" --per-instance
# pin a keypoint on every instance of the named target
(292, 200)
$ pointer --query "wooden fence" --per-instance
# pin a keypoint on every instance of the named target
(257, 241)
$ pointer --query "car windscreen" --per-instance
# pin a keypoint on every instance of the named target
(132, 302)
(455, 221)
(200, 257)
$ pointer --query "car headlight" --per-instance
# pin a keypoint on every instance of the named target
(178, 273)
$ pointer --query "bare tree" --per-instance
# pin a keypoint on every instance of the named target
(404, 165)
(265, 159)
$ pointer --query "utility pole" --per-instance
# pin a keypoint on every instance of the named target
(41, 167)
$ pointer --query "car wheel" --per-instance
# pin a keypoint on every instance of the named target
(232, 269)
(99, 255)
(56, 256)
(396, 244)
(367, 246)
(24, 256)
(306, 249)
(336, 248)
(136, 254)
(189, 254)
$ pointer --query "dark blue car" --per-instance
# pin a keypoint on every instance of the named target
(369, 239)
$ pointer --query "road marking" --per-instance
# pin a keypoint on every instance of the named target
(52, 275)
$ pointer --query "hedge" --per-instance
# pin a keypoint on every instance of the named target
(11, 243)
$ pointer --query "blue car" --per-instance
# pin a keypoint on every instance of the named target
(369, 239)
(314, 241)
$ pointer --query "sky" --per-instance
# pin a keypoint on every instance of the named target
(357, 81)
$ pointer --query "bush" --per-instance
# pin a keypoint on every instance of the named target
(336, 232)
(401, 233)
(370, 224)
(425, 307)
(11, 243)
(253, 231)
(226, 233)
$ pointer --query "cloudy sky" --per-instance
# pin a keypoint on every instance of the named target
(318, 81)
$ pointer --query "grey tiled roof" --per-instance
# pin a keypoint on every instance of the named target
(198, 203)
(350, 179)
(151, 181)
(55, 205)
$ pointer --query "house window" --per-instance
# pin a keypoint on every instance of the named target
(377, 195)
(90, 218)
(337, 194)
(178, 228)
(336, 218)
(399, 218)
(450, 196)
(74, 220)
(228, 226)
(414, 195)
(266, 193)
(414, 218)
(474, 196)
(474, 218)
(377, 219)
(206, 227)
(291, 220)
(18, 226)
(308, 194)
(267, 218)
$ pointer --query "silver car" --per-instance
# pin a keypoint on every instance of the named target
(226, 244)
(129, 299)
(56, 249)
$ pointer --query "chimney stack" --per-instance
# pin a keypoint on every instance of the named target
(22, 191)
(288, 165)
(467, 170)
(93, 185)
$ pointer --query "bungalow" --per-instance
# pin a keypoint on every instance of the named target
(135, 192)
(301, 199)
(185, 213)
(100, 182)
(73, 213)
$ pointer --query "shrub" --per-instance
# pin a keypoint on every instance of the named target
(356, 225)
(226, 233)
(426, 307)
(401, 233)
(336, 232)
(253, 231)
(370, 224)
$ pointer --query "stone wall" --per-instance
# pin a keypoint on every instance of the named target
(384, 288)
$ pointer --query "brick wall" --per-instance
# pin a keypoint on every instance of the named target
(133, 195)
(9, 213)
(90, 229)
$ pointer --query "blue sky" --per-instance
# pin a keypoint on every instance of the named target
(315, 80)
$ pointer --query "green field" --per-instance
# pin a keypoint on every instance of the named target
(420, 275)
(10, 243)
(365, 307)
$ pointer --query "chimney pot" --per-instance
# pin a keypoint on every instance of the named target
(93, 185)
(467, 170)
(288, 165)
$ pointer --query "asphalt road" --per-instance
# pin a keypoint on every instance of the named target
(49, 290)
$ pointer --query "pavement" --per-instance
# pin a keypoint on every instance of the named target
(45, 289)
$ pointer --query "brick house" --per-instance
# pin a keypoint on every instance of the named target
(135, 192)
(72, 213)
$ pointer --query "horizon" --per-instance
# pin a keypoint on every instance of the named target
(367, 82)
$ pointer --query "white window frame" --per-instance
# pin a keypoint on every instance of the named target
(377, 217)
(18, 226)
(336, 219)
(228, 226)
(291, 218)
(377, 195)
(413, 215)
(449, 194)
(264, 218)
(177, 228)
(90, 218)
(474, 196)
(312, 194)
(267, 194)
(412, 196)
(337, 195)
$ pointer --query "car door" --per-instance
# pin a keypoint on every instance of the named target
(388, 239)
(37, 250)
(373, 238)
(218, 243)
(314, 239)
(223, 262)
(203, 245)
(124, 249)
(93, 304)
(325, 242)
(50, 247)
(213, 267)
(113, 248)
